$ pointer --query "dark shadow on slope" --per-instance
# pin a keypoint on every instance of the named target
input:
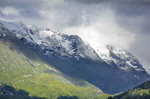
(68, 97)
(108, 78)
(8, 92)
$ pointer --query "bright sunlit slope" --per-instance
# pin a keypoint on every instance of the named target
(24, 75)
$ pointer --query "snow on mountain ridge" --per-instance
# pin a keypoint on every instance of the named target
(122, 58)
(16, 26)
(72, 46)
(52, 42)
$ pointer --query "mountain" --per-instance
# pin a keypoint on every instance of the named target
(112, 72)
(139, 92)
(52, 43)
(122, 58)
(24, 75)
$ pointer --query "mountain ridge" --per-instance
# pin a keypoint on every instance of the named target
(70, 55)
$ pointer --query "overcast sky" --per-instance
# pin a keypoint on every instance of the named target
(122, 23)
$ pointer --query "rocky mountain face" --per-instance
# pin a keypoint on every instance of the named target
(114, 71)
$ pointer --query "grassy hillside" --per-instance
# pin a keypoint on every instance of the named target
(140, 92)
(24, 75)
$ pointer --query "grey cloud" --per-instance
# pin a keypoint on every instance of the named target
(30, 13)
(135, 18)
(30, 3)
(111, 1)
(21, 3)
(28, 9)
(4, 16)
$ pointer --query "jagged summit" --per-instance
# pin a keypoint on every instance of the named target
(122, 58)
(52, 42)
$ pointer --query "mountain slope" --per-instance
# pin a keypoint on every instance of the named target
(24, 75)
(140, 92)
(71, 56)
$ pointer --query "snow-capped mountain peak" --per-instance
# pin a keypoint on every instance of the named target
(52, 42)
(122, 58)
(16, 26)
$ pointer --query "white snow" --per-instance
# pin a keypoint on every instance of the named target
(45, 33)
(17, 26)
(126, 58)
